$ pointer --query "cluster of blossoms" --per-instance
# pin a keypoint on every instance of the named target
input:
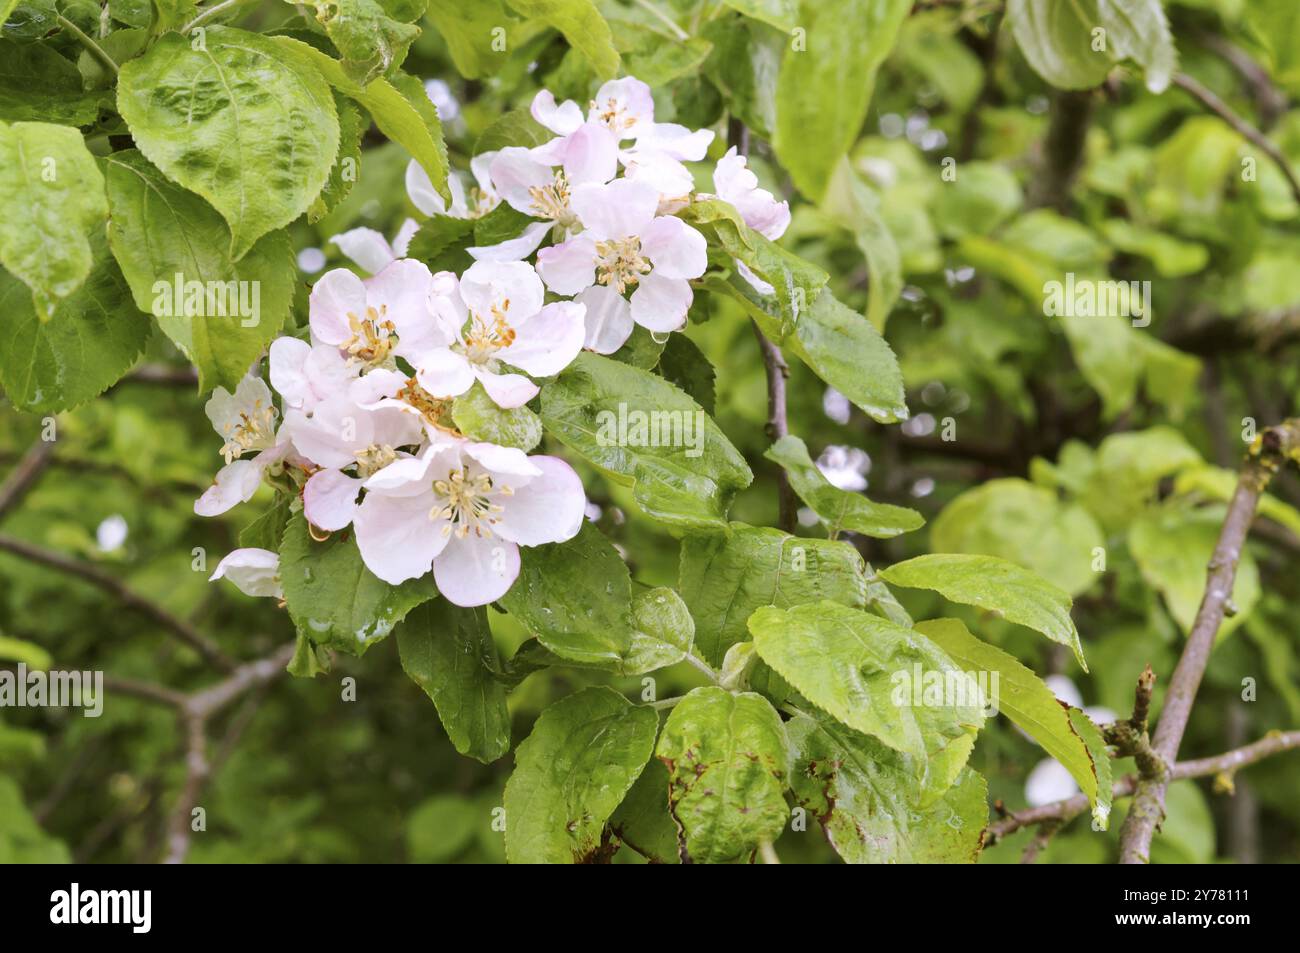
(363, 427)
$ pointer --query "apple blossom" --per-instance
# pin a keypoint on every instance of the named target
(625, 245)
(370, 251)
(497, 316)
(246, 421)
(464, 509)
(376, 319)
(305, 374)
(255, 572)
(735, 183)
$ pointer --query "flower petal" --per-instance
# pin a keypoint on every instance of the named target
(608, 319)
(512, 249)
(329, 500)
(444, 373)
(421, 192)
(569, 267)
(397, 539)
(475, 570)
(549, 341)
(548, 509)
(562, 119)
(515, 171)
(507, 390)
(622, 208)
(255, 572)
(660, 304)
(675, 249)
(333, 297)
(509, 288)
(366, 247)
(590, 155)
(235, 483)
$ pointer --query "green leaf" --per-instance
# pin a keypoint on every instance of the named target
(823, 90)
(1172, 545)
(333, 598)
(1026, 700)
(855, 206)
(581, 24)
(724, 578)
(165, 238)
(267, 530)
(583, 755)
(448, 651)
(862, 671)
(1003, 588)
(441, 242)
(53, 196)
(514, 128)
(477, 416)
(982, 197)
(782, 14)
(441, 828)
(663, 631)
(576, 597)
(683, 364)
(727, 759)
(643, 821)
(37, 84)
(347, 165)
(92, 341)
(250, 129)
(400, 108)
(839, 509)
(645, 433)
(1024, 524)
(1056, 39)
(371, 41)
(871, 805)
(467, 29)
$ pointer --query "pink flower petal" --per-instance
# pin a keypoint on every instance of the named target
(330, 499)
(476, 570)
(548, 509)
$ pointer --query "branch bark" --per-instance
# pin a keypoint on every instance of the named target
(1069, 808)
(1224, 112)
(25, 474)
(124, 594)
(1271, 449)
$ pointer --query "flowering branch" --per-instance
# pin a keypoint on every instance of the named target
(1271, 449)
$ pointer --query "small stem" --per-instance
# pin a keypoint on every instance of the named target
(91, 46)
(704, 667)
(663, 18)
(206, 15)
(666, 703)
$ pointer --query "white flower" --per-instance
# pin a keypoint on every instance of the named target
(246, 422)
(375, 319)
(477, 202)
(339, 436)
(626, 108)
(845, 467)
(255, 572)
(304, 374)
(496, 314)
(464, 509)
(111, 533)
(1048, 782)
(539, 181)
(736, 184)
(625, 245)
(370, 251)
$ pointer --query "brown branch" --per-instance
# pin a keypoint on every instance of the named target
(1269, 100)
(1271, 449)
(1063, 150)
(1224, 112)
(1069, 808)
(124, 594)
(24, 475)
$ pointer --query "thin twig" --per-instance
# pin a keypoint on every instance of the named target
(1067, 809)
(91, 46)
(206, 15)
(1271, 449)
(124, 594)
(778, 424)
(1224, 112)
(24, 475)
(163, 374)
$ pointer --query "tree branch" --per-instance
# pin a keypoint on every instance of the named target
(1069, 808)
(1271, 449)
(1224, 112)
(124, 594)
(21, 478)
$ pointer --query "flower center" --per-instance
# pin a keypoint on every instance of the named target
(436, 412)
(465, 501)
(619, 263)
(374, 458)
(255, 431)
(613, 115)
(479, 203)
(373, 336)
(485, 336)
(552, 201)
